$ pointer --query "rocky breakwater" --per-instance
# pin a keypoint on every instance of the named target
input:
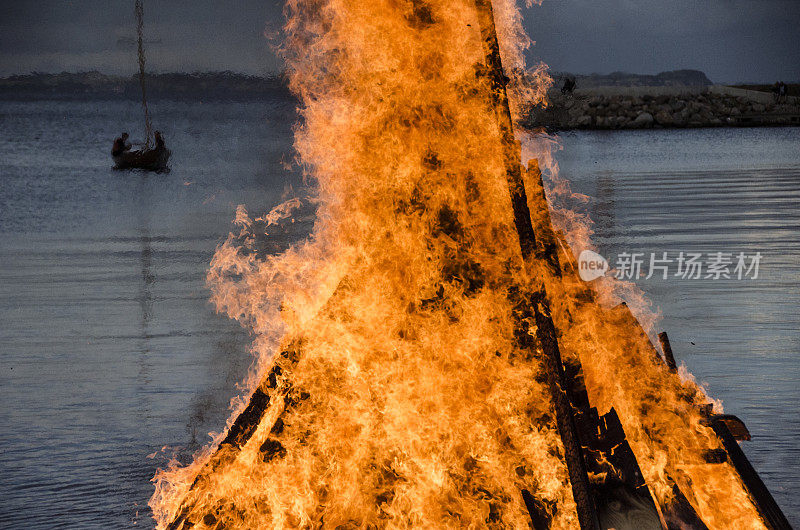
(623, 111)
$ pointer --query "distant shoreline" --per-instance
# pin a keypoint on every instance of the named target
(181, 86)
(672, 103)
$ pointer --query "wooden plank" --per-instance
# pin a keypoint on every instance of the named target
(609, 454)
(247, 422)
(540, 517)
(538, 302)
(547, 244)
(242, 429)
(769, 510)
(679, 514)
(666, 349)
(729, 429)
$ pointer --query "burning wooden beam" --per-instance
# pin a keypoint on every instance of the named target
(538, 301)
(547, 247)
(609, 454)
(729, 429)
(666, 349)
(271, 393)
(767, 507)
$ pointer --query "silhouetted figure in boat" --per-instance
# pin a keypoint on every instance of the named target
(159, 141)
(148, 158)
(121, 145)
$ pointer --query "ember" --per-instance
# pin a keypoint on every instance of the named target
(442, 365)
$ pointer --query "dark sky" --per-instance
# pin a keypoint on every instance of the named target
(731, 40)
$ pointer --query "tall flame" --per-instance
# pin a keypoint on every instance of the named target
(406, 399)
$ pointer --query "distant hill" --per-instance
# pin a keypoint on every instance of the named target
(672, 78)
(94, 85)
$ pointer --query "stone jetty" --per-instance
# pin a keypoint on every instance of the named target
(663, 107)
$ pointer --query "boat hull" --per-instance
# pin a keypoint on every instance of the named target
(145, 159)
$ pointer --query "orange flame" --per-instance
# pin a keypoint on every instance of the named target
(410, 402)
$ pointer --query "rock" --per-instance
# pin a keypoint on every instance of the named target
(664, 118)
(644, 119)
(649, 111)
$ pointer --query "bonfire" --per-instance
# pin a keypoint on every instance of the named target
(429, 357)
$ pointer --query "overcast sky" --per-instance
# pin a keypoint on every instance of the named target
(730, 40)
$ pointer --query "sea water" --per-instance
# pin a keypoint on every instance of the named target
(110, 350)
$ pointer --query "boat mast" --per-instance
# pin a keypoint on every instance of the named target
(148, 126)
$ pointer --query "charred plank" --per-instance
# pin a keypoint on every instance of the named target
(545, 329)
(666, 349)
(769, 510)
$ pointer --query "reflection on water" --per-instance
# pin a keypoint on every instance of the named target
(110, 349)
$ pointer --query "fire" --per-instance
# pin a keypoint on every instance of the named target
(403, 396)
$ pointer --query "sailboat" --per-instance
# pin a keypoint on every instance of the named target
(148, 157)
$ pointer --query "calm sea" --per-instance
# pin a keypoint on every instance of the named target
(110, 350)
